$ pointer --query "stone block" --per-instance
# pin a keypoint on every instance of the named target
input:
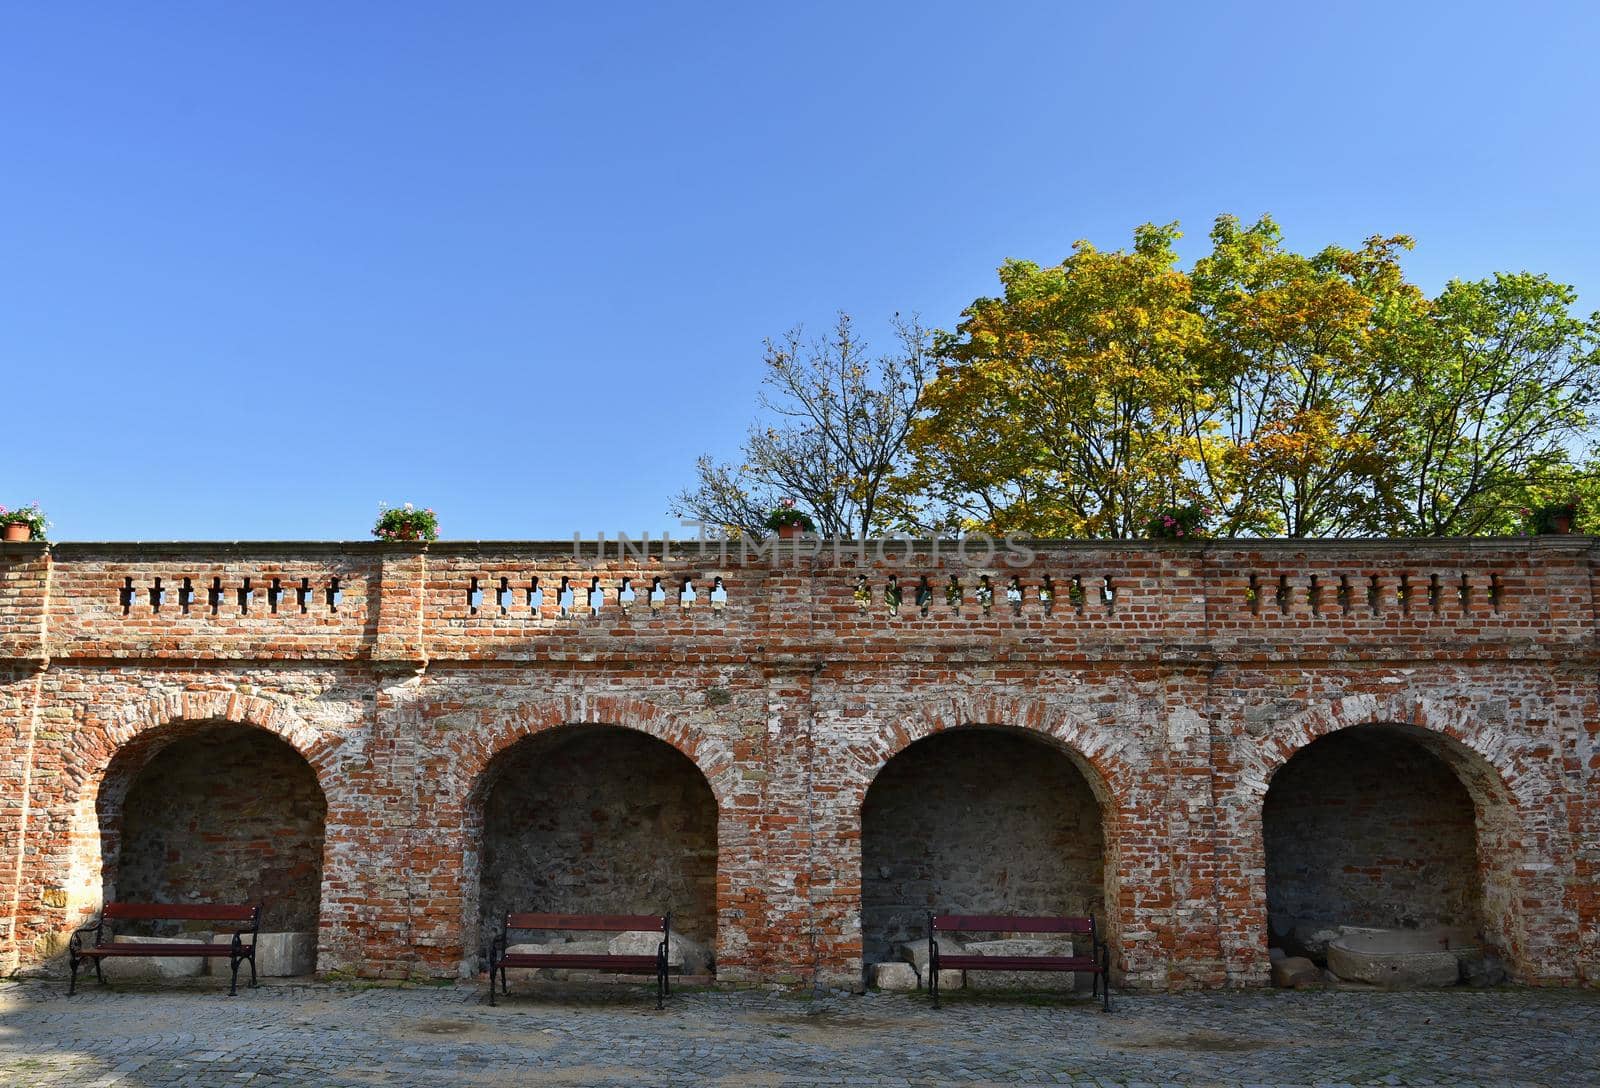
(569, 948)
(555, 946)
(1483, 970)
(282, 955)
(1312, 941)
(1397, 959)
(1296, 973)
(1024, 980)
(142, 969)
(896, 976)
(688, 956)
(916, 952)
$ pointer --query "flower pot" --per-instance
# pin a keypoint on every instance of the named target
(17, 530)
(789, 532)
(1559, 523)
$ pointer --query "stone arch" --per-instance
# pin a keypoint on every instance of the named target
(1516, 775)
(523, 738)
(1520, 849)
(1074, 863)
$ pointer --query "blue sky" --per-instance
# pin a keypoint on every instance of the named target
(263, 266)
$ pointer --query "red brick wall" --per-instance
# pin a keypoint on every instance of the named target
(1181, 677)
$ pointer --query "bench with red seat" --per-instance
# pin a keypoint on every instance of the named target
(246, 918)
(1096, 963)
(500, 956)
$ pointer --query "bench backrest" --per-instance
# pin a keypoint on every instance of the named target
(182, 912)
(1010, 923)
(601, 923)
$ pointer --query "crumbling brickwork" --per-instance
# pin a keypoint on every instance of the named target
(1178, 679)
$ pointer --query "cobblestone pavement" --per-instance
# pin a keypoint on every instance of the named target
(345, 1036)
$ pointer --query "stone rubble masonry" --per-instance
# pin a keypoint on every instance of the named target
(1177, 697)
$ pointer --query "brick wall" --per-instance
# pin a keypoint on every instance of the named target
(1180, 680)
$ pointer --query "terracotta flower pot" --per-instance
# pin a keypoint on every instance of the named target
(789, 532)
(17, 530)
(1561, 523)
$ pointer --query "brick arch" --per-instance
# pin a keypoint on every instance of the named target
(105, 757)
(1097, 751)
(1522, 851)
(1101, 753)
(94, 749)
(1496, 764)
(509, 726)
(536, 717)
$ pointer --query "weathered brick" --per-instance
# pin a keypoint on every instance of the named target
(1176, 679)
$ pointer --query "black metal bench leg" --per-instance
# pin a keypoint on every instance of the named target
(233, 986)
(252, 970)
(72, 986)
(1105, 978)
(99, 973)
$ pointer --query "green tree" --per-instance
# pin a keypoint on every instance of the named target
(1299, 414)
(1056, 410)
(1498, 405)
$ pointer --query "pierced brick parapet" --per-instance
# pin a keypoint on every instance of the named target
(414, 603)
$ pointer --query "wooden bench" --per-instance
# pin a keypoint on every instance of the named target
(1096, 963)
(501, 958)
(245, 918)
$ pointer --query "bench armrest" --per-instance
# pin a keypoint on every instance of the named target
(95, 927)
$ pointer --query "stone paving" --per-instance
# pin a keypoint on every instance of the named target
(350, 1036)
